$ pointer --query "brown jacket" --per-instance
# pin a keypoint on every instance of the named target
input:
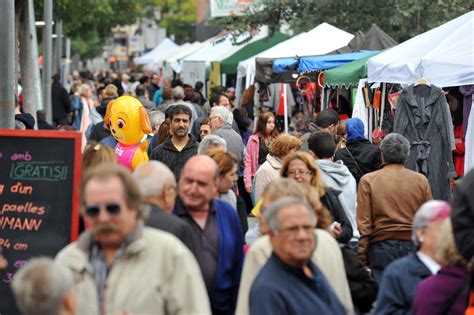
(387, 201)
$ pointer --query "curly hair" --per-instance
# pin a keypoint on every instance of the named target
(316, 180)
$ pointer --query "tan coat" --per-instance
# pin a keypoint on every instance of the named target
(327, 256)
(156, 275)
(387, 201)
(268, 172)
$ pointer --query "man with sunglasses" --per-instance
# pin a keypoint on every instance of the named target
(122, 266)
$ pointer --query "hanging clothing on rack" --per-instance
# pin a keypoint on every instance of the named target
(423, 117)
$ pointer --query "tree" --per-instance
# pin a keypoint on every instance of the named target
(401, 19)
(178, 17)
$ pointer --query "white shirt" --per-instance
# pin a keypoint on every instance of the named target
(429, 262)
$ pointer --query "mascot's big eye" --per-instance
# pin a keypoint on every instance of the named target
(120, 123)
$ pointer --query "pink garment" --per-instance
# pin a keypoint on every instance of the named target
(87, 104)
(251, 159)
(125, 154)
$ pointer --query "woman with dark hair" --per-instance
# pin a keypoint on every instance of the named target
(258, 147)
(454, 99)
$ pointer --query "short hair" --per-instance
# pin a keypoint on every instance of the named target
(322, 144)
(39, 286)
(271, 213)
(225, 160)
(282, 187)
(96, 154)
(152, 177)
(211, 141)
(447, 252)
(316, 179)
(326, 118)
(224, 114)
(262, 124)
(205, 121)
(156, 118)
(179, 109)
(167, 93)
(41, 115)
(430, 211)
(178, 93)
(140, 90)
(199, 85)
(395, 148)
(110, 91)
(188, 94)
(283, 144)
(132, 194)
(143, 79)
(216, 98)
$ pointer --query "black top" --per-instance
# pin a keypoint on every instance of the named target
(207, 241)
(262, 151)
(167, 222)
(331, 201)
(60, 101)
(99, 132)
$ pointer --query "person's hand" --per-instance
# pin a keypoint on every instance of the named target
(3, 262)
(336, 229)
(248, 188)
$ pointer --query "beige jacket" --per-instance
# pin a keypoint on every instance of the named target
(156, 275)
(266, 173)
(327, 256)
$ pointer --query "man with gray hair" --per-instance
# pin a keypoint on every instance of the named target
(122, 266)
(212, 142)
(387, 200)
(290, 283)
(156, 119)
(158, 187)
(43, 287)
(221, 124)
(401, 277)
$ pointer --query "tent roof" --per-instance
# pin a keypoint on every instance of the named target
(375, 39)
(316, 63)
(349, 74)
(223, 47)
(157, 53)
(321, 40)
(443, 55)
(229, 65)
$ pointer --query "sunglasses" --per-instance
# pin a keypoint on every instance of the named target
(94, 210)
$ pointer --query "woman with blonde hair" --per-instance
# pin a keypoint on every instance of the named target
(96, 154)
(283, 145)
(258, 147)
(445, 292)
(301, 167)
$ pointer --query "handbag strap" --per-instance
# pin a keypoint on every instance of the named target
(353, 159)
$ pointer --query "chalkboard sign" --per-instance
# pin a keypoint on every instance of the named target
(39, 179)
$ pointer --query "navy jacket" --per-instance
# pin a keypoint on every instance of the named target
(283, 289)
(223, 297)
(398, 285)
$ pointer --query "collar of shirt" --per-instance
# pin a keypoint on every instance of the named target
(429, 262)
(181, 210)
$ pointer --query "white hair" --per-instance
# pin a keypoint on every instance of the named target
(40, 286)
(156, 118)
(430, 211)
(211, 141)
(152, 177)
(270, 214)
(224, 114)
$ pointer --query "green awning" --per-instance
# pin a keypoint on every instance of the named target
(229, 65)
(347, 75)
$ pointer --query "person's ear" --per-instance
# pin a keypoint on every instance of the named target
(420, 235)
(313, 154)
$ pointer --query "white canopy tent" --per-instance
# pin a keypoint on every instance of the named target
(222, 47)
(160, 51)
(174, 58)
(443, 55)
(321, 40)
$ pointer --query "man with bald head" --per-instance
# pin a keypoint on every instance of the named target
(217, 230)
(158, 187)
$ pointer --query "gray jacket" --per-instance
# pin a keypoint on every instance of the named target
(423, 117)
(234, 143)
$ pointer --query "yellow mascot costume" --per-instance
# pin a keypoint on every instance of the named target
(129, 124)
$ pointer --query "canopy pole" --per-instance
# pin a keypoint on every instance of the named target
(285, 109)
(322, 99)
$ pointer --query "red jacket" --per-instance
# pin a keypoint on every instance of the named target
(458, 154)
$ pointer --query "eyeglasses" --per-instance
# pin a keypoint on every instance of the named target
(111, 208)
(294, 230)
(299, 172)
(211, 118)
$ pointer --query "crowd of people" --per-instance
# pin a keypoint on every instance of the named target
(342, 226)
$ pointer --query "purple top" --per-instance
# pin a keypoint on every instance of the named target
(433, 292)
